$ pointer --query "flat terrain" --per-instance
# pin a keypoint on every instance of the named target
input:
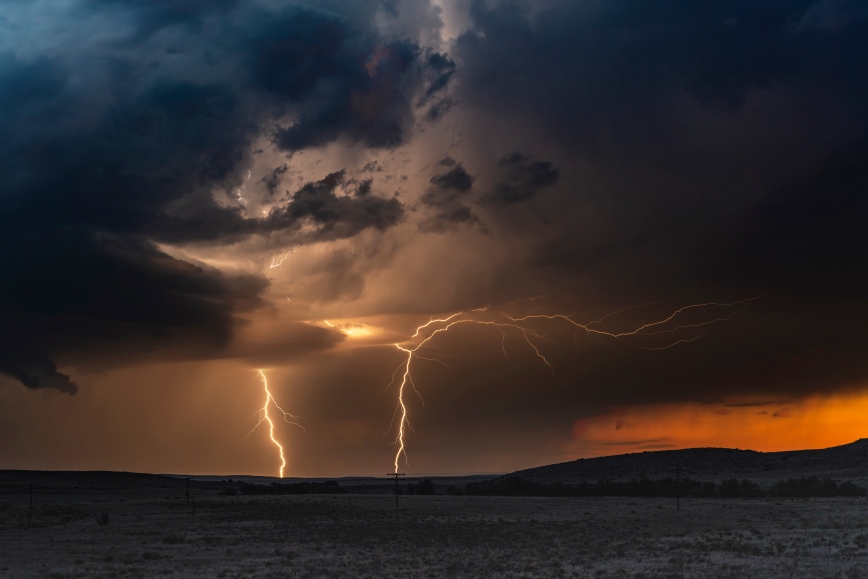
(152, 533)
(848, 462)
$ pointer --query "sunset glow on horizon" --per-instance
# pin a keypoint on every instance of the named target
(766, 426)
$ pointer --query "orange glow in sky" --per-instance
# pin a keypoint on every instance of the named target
(764, 425)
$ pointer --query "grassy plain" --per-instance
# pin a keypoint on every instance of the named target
(153, 534)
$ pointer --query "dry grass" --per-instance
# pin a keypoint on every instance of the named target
(362, 536)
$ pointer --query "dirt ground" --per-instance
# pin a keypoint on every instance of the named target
(155, 534)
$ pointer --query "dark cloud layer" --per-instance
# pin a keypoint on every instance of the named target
(522, 179)
(335, 217)
(118, 139)
(448, 198)
(610, 153)
(721, 149)
(635, 151)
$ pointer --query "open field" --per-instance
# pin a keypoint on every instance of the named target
(151, 533)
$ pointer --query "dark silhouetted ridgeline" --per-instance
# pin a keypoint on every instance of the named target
(805, 487)
(845, 462)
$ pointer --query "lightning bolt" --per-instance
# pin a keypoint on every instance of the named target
(277, 262)
(241, 199)
(263, 417)
(643, 330)
(407, 378)
(519, 324)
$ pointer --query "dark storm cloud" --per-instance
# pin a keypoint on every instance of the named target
(522, 179)
(90, 290)
(363, 187)
(448, 199)
(117, 133)
(315, 213)
(273, 179)
(706, 150)
(365, 106)
(439, 71)
(593, 64)
(334, 217)
(455, 181)
(809, 237)
(154, 16)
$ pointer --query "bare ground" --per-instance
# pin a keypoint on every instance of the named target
(154, 534)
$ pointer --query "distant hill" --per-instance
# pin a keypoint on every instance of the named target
(849, 461)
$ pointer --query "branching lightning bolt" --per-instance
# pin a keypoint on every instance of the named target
(241, 199)
(642, 330)
(277, 262)
(650, 330)
(407, 378)
(263, 417)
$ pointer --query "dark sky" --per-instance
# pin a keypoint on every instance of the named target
(191, 191)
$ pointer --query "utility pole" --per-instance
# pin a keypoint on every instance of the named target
(188, 479)
(678, 470)
(396, 475)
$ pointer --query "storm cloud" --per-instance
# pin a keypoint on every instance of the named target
(715, 150)
(448, 198)
(123, 133)
(409, 160)
(522, 179)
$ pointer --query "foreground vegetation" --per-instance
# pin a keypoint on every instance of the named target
(805, 487)
(155, 533)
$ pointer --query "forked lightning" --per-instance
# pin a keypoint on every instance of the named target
(660, 330)
(263, 416)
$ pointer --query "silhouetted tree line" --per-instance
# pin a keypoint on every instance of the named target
(328, 487)
(644, 487)
(423, 487)
(814, 487)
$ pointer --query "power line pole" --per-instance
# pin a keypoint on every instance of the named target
(678, 470)
(396, 475)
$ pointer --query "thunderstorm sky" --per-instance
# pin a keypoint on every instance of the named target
(194, 191)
